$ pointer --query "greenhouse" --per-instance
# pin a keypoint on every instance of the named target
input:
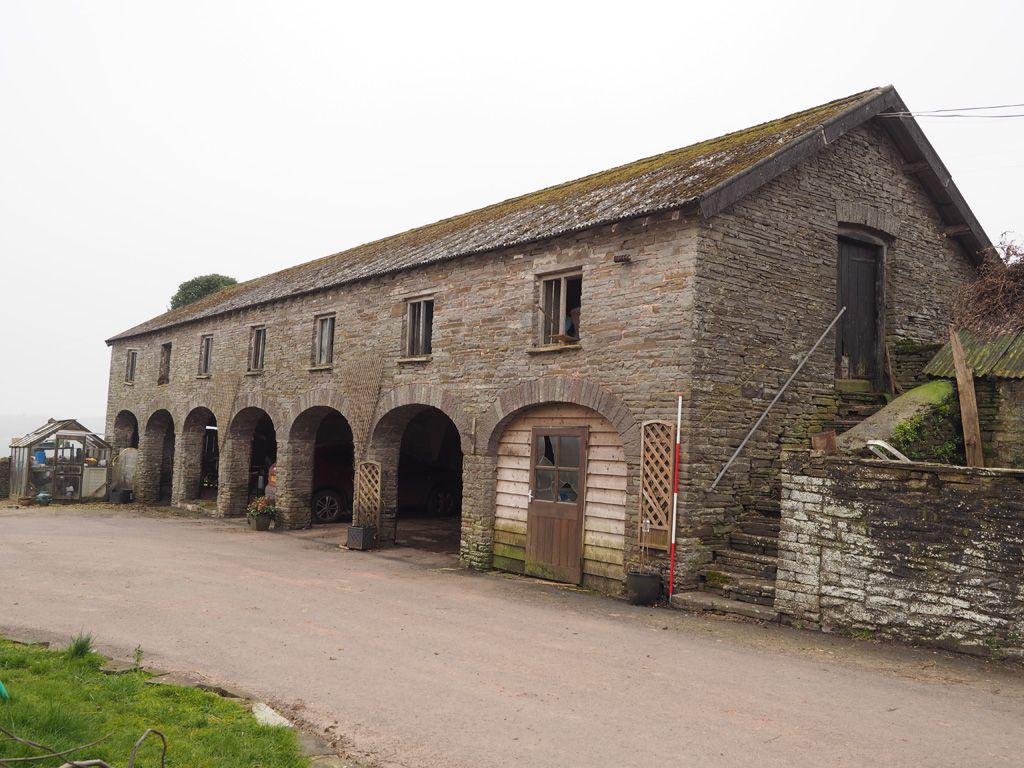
(63, 461)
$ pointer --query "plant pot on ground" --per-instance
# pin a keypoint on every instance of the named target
(643, 582)
(261, 512)
(643, 588)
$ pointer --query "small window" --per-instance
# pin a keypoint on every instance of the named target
(257, 348)
(419, 331)
(165, 364)
(205, 354)
(323, 344)
(131, 359)
(561, 300)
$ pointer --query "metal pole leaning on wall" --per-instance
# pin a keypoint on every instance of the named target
(771, 405)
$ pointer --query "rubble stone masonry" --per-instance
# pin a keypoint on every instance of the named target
(719, 308)
(923, 553)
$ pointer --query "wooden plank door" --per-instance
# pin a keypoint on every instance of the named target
(554, 517)
(857, 342)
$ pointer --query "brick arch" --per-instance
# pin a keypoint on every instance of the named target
(195, 403)
(430, 395)
(127, 432)
(559, 389)
(868, 216)
(315, 397)
(263, 403)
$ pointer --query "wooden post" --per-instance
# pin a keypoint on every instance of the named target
(968, 403)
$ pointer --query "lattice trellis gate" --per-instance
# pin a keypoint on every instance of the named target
(366, 506)
(657, 453)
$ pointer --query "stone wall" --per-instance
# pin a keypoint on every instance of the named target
(766, 289)
(485, 365)
(5, 477)
(924, 553)
(719, 308)
(1001, 413)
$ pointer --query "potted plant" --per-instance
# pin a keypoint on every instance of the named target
(643, 582)
(260, 512)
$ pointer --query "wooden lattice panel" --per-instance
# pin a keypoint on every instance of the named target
(361, 378)
(366, 508)
(657, 464)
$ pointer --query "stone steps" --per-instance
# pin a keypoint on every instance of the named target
(746, 563)
(761, 526)
(738, 586)
(708, 601)
(757, 544)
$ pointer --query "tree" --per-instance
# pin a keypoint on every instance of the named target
(198, 287)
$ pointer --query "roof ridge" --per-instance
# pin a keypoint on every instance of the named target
(669, 180)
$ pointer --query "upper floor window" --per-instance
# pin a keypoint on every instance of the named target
(165, 364)
(130, 361)
(257, 347)
(560, 304)
(323, 342)
(419, 327)
(205, 354)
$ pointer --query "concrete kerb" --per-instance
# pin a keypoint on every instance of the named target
(319, 752)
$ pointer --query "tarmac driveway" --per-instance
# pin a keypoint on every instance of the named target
(412, 663)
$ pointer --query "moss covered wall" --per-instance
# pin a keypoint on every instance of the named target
(918, 552)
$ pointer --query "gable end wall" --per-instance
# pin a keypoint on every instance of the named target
(766, 289)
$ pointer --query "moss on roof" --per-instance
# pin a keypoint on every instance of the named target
(663, 182)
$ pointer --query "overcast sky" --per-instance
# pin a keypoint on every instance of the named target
(144, 143)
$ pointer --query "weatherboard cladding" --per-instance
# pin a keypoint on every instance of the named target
(671, 180)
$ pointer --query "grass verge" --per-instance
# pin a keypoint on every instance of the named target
(64, 701)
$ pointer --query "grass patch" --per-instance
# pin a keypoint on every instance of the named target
(64, 701)
(80, 646)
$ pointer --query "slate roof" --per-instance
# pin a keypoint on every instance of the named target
(711, 174)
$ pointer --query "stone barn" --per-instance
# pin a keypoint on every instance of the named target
(516, 368)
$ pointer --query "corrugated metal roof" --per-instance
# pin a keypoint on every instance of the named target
(999, 355)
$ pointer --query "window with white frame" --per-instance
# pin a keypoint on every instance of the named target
(560, 305)
(323, 340)
(419, 327)
(257, 347)
(205, 354)
(130, 361)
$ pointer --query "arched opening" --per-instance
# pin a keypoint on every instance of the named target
(244, 466)
(200, 455)
(321, 467)
(420, 450)
(126, 431)
(156, 459)
(560, 496)
(124, 461)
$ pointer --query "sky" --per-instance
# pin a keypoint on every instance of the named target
(145, 143)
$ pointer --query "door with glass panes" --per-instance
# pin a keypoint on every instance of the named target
(554, 518)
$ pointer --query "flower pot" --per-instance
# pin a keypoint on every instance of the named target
(643, 588)
(260, 522)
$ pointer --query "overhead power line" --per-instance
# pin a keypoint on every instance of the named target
(959, 112)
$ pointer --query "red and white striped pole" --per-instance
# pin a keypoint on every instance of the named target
(675, 497)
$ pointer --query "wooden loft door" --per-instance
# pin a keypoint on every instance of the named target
(858, 342)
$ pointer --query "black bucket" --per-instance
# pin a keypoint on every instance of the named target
(643, 588)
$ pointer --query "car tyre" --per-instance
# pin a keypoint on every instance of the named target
(327, 506)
